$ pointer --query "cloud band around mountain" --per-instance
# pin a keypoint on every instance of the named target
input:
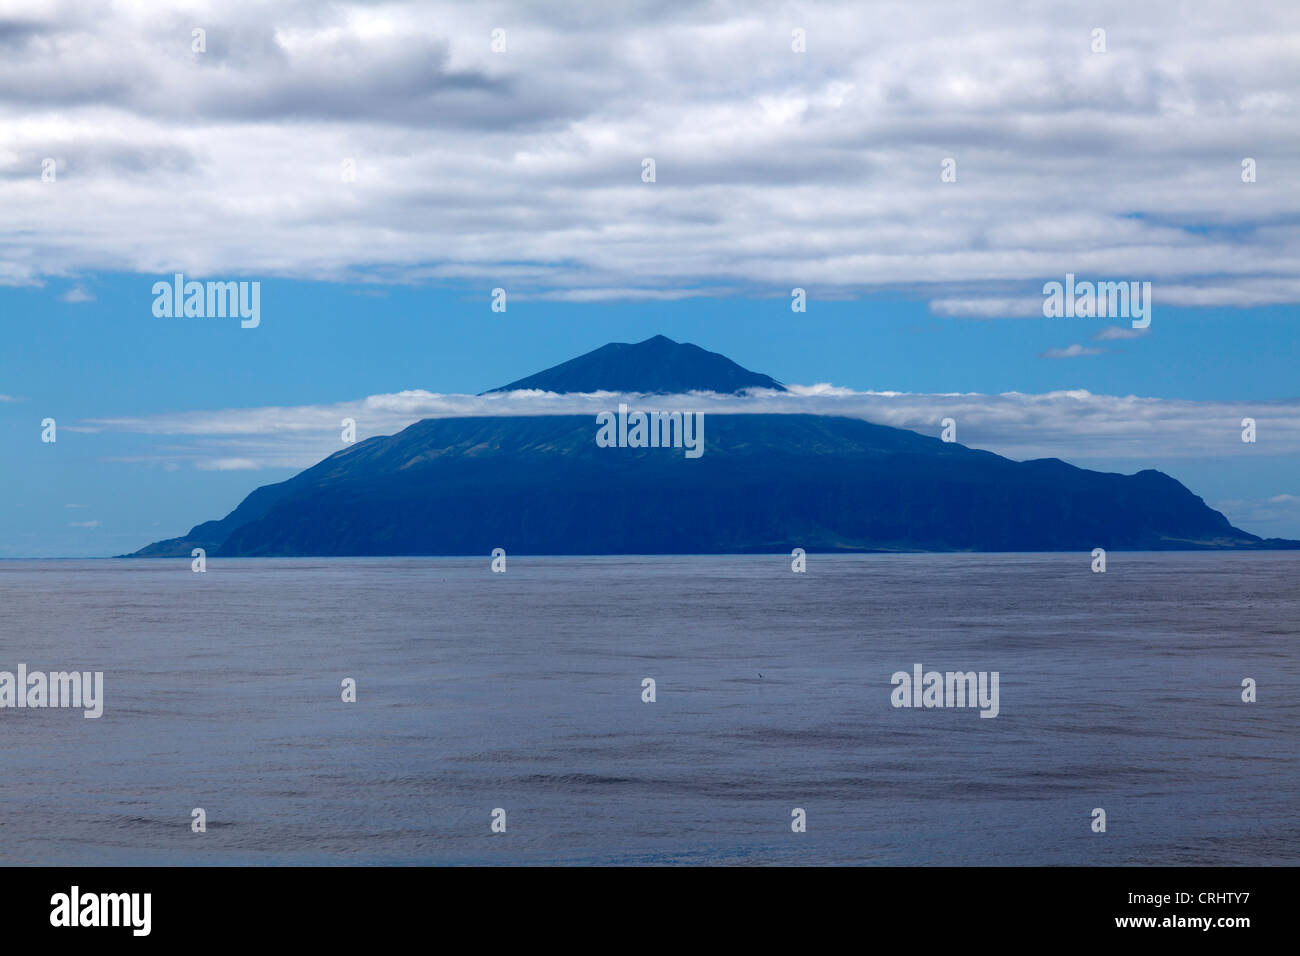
(1074, 425)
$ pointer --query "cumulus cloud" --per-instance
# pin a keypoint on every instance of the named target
(76, 296)
(774, 169)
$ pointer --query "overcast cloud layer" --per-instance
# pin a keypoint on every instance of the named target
(775, 169)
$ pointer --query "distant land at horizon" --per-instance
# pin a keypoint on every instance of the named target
(763, 483)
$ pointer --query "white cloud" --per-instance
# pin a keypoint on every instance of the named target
(989, 308)
(1074, 351)
(76, 295)
(226, 464)
(774, 169)
(91, 525)
(1076, 425)
(1116, 333)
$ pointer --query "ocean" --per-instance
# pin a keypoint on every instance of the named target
(522, 691)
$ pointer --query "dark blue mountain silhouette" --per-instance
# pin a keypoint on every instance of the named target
(767, 482)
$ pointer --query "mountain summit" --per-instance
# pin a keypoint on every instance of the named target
(657, 366)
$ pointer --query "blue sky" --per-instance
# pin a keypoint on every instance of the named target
(380, 167)
(324, 342)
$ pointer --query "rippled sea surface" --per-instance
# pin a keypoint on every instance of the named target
(523, 691)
